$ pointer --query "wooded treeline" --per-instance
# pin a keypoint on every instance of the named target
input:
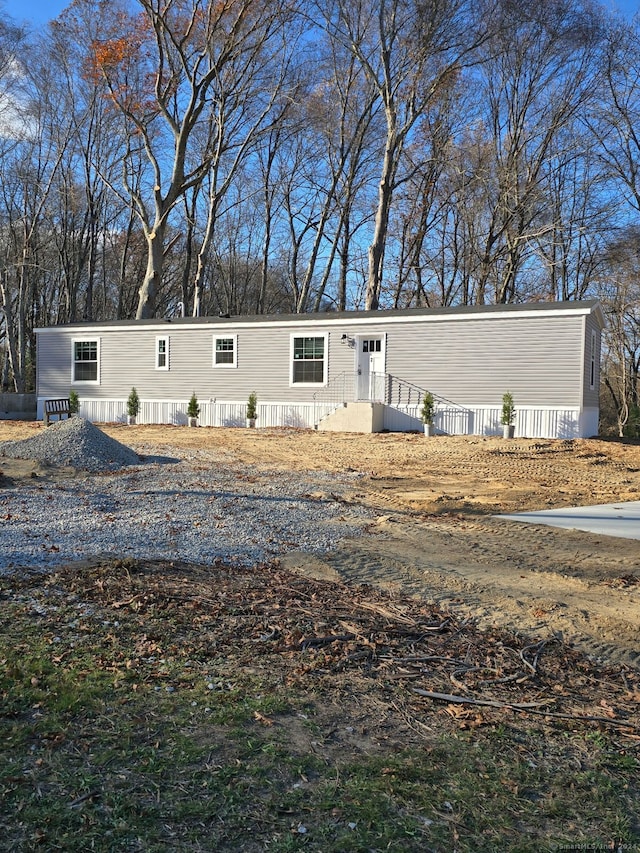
(245, 156)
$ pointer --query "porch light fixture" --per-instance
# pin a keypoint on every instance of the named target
(346, 339)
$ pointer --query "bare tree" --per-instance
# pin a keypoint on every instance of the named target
(579, 214)
(408, 50)
(421, 222)
(261, 88)
(11, 41)
(39, 139)
(343, 114)
(620, 296)
(537, 72)
(615, 120)
(86, 211)
(174, 72)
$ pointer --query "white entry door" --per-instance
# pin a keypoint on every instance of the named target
(371, 364)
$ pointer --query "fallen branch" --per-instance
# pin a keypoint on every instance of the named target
(467, 700)
(91, 795)
(526, 707)
(539, 648)
(314, 642)
(387, 612)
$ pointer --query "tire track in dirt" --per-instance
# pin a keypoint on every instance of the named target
(570, 585)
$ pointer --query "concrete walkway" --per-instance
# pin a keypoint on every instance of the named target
(622, 519)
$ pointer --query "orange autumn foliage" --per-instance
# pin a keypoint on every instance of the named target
(112, 53)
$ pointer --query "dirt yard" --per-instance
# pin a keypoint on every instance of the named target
(435, 535)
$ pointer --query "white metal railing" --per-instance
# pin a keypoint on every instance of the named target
(399, 392)
(336, 393)
(371, 387)
(375, 388)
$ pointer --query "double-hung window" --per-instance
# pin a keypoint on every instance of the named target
(225, 351)
(308, 360)
(86, 360)
(162, 353)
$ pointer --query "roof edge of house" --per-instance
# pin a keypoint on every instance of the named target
(459, 312)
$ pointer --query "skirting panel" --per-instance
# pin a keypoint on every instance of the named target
(477, 420)
(453, 420)
(215, 413)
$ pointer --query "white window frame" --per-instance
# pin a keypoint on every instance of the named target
(86, 340)
(325, 359)
(162, 339)
(225, 365)
(593, 367)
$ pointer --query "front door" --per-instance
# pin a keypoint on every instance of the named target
(371, 368)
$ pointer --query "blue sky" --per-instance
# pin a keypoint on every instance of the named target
(33, 12)
(36, 13)
(629, 7)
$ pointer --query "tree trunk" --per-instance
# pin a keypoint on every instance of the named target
(377, 247)
(11, 343)
(212, 215)
(91, 273)
(149, 289)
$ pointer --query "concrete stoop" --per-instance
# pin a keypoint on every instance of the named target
(355, 417)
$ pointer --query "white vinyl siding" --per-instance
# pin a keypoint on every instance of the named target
(162, 353)
(85, 360)
(309, 360)
(225, 351)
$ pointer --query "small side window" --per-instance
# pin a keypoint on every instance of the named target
(162, 353)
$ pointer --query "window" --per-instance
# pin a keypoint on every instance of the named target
(308, 367)
(372, 346)
(225, 351)
(85, 361)
(162, 353)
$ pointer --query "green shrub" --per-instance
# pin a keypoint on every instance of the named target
(508, 410)
(193, 409)
(133, 403)
(428, 408)
(252, 406)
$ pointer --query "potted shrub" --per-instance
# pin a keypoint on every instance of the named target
(252, 409)
(74, 402)
(426, 413)
(133, 406)
(193, 411)
(508, 415)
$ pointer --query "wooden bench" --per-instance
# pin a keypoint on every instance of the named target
(56, 408)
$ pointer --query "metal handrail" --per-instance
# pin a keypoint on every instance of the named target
(382, 388)
(411, 389)
(335, 393)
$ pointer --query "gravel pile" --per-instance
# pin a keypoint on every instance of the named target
(73, 442)
(203, 507)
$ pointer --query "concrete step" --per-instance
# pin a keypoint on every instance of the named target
(354, 417)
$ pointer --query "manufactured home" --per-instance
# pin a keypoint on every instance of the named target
(363, 371)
